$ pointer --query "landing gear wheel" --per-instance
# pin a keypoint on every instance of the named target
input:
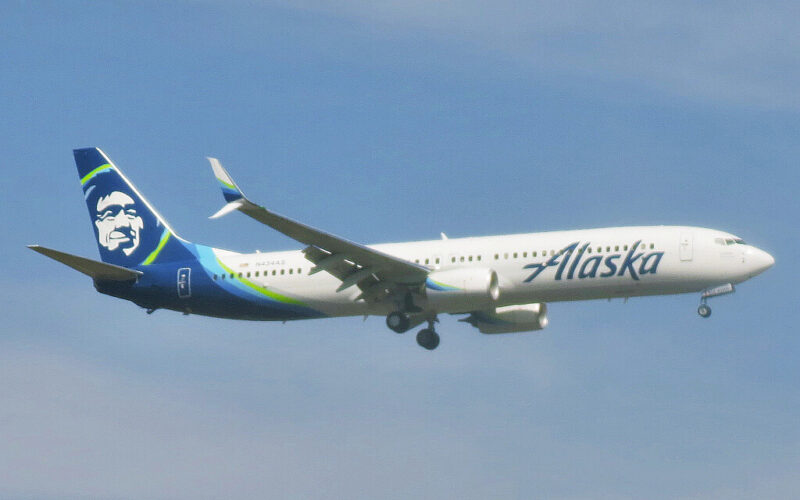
(704, 311)
(398, 322)
(428, 339)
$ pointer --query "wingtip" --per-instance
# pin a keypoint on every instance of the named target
(228, 208)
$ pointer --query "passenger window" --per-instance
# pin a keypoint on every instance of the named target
(626, 247)
(533, 254)
(273, 272)
(496, 256)
(461, 259)
(248, 274)
(299, 271)
(524, 254)
(215, 277)
(652, 246)
(552, 252)
(470, 258)
(416, 261)
(616, 248)
(233, 275)
(479, 258)
(515, 255)
(437, 260)
(599, 249)
(426, 262)
(608, 249)
(282, 271)
(453, 260)
(505, 255)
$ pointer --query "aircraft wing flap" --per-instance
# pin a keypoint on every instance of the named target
(96, 269)
(358, 257)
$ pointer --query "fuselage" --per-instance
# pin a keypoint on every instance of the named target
(531, 268)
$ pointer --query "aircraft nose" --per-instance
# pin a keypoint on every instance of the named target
(761, 260)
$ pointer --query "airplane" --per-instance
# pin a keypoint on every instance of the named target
(501, 284)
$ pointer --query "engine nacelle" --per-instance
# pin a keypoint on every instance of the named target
(510, 319)
(462, 290)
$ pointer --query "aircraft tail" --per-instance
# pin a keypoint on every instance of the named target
(129, 232)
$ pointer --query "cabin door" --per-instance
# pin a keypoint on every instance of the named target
(685, 248)
(184, 283)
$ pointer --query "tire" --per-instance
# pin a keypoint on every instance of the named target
(704, 311)
(428, 339)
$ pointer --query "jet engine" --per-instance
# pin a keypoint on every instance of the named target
(510, 319)
(462, 290)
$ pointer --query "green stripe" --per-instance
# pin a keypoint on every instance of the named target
(260, 289)
(444, 285)
(94, 172)
(227, 185)
(150, 258)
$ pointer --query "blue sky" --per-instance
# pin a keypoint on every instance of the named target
(394, 121)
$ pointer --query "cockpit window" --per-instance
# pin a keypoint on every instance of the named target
(729, 241)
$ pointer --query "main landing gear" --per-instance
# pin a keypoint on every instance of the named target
(401, 322)
(704, 310)
(427, 337)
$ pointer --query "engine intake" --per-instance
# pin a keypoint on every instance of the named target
(462, 290)
(510, 319)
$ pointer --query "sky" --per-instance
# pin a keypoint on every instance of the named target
(392, 121)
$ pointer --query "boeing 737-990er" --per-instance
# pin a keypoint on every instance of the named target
(500, 283)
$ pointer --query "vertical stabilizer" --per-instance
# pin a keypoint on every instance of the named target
(129, 231)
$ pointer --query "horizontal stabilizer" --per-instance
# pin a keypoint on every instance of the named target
(97, 270)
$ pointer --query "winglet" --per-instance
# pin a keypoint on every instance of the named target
(228, 208)
(230, 190)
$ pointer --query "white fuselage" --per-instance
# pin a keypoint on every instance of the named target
(602, 263)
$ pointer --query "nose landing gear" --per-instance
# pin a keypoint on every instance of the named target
(704, 310)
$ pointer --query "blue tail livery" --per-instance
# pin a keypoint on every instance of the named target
(489, 278)
(128, 230)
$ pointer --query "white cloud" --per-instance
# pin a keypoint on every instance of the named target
(742, 54)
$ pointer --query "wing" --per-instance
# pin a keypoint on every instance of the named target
(377, 274)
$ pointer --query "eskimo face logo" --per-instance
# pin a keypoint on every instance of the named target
(118, 224)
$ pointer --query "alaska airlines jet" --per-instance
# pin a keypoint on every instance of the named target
(500, 283)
